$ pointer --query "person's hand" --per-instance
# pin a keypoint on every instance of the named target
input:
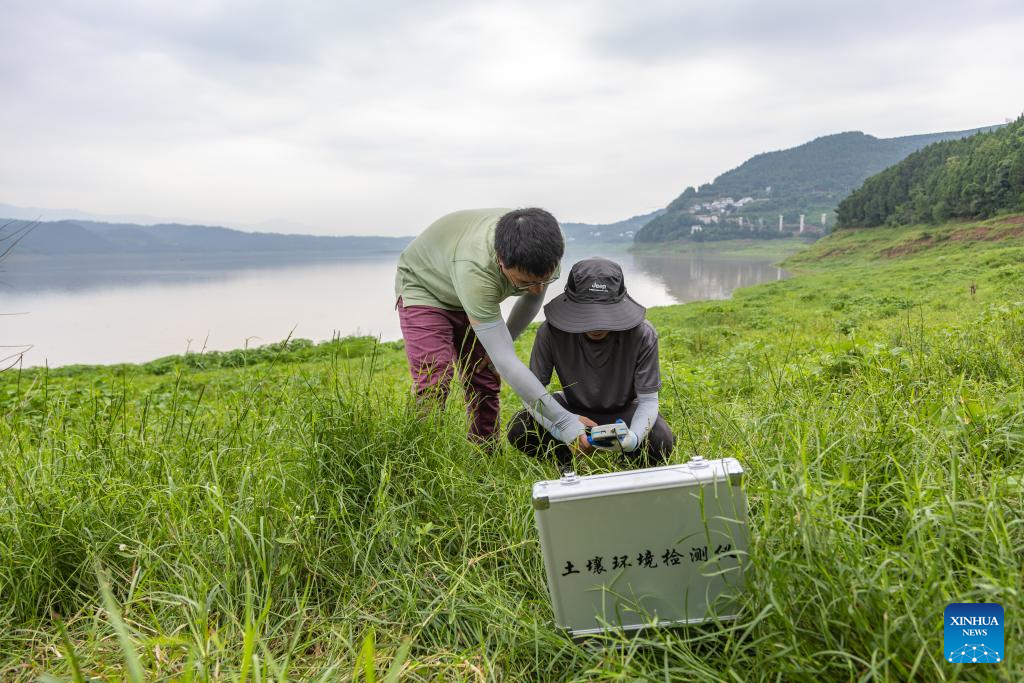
(582, 444)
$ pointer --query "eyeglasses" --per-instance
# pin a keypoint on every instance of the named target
(537, 283)
(525, 285)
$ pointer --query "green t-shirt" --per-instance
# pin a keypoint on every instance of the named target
(452, 265)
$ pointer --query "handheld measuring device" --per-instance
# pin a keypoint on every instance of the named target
(607, 436)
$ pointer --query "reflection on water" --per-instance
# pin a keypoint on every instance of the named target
(109, 310)
(77, 274)
(695, 278)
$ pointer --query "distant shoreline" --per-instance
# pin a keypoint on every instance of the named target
(776, 249)
(206, 258)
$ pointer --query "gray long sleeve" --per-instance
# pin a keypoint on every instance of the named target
(645, 416)
(523, 312)
(563, 425)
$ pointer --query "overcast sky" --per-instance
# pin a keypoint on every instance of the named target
(377, 117)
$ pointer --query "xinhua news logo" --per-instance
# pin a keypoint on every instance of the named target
(973, 633)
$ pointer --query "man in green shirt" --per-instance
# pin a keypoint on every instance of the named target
(450, 283)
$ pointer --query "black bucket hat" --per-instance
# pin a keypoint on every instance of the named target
(595, 298)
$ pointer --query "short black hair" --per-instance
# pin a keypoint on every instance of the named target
(530, 240)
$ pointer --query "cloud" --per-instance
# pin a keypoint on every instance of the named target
(664, 30)
(376, 117)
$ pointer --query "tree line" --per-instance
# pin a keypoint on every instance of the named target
(974, 177)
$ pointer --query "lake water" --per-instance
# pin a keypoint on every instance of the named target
(113, 310)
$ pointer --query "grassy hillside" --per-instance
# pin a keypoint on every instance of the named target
(286, 512)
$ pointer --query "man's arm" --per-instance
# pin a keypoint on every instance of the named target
(648, 383)
(542, 365)
(524, 311)
(497, 342)
(643, 419)
(645, 416)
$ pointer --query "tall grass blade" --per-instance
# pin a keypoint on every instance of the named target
(131, 657)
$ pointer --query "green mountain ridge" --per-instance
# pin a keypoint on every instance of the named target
(810, 180)
(974, 177)
(79, 236)
(618, 232)
(70, 237)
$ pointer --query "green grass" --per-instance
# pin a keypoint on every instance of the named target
(286, 513)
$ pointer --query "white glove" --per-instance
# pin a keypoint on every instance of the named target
(630, 442)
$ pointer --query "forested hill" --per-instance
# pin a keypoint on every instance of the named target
(87, 237)
(810, 179)
(620, 231)
(975, 177)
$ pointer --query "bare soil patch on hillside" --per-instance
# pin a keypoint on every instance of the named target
(980, 233)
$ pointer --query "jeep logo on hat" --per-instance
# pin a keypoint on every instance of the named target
(595, 280)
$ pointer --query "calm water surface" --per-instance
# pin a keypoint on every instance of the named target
(107, 310)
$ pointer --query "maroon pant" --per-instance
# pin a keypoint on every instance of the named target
(436, 340)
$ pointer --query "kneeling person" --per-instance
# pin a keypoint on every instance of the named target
(606, 356)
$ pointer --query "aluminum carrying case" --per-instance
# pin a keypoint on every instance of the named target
(660, 546)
